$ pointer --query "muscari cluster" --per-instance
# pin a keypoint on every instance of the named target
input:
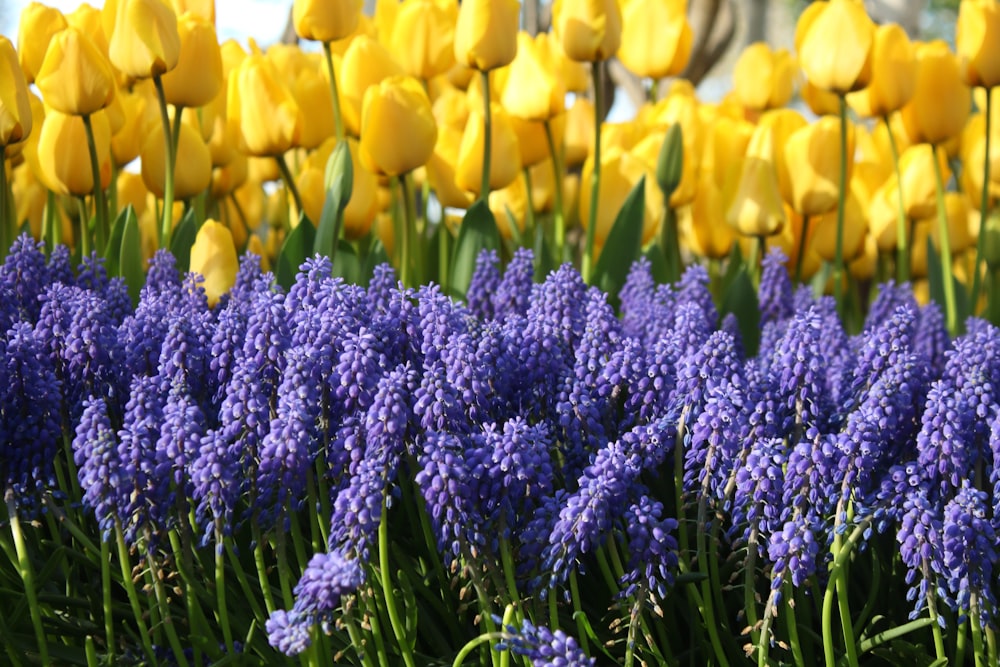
(533, 419)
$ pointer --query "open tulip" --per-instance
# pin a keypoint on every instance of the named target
(762, 78)
(398, 131)
(64, 158)
(656, 37)
(834, 42)
(572, 74)
(505, 156)
(894, 74)
(37, 26)
(197, 78)
(486, 33)
(812, 157)
(325, 20)
(75, 78)
(145, 42)
(589, 30)
(213, 256)
(15, 108)
(269, 119)
(192, 170)
(423, 37)
(941, 101)
(532, 92)
(977, 41)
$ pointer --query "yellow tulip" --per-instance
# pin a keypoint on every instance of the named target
(132, 190)
(29, 198)
(882, 212)
(366, 63)
(762, 78)
(533, 146)
(192, 170)
(75, 78)
(441, 169)
(974, 162)
(232, 55)
(573, 75)
(728, 140)
(656, 37)
(228, 177)
(505, 156)
(579, 134)
(812, 156)
(423, 37)
(312, 93)
(87, 19)
(509, 203)
(916, 169)
(782, 123)
(451, 108)
(325, 20)
(15, 107)
(258, 102)
(702, 224)
(543, 186)
(203, 8)
(977, 40)
(941, 102)
(256, 247)
(486, 33)
(834, 43)
(863, 267)
(620, 172)
(756, 208)
(894, 74)
(532, 92)
(820, 102)
(145, 42)
(957, 215)
(37, 26)
(197, 78)
(398, 131)
(213, 256)
(824, 238)
(589, 30)
(126, 143)
(363, 205)
(64, 158)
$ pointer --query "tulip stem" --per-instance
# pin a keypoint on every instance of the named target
(81, 211)
(595, 177)
(484, 189)
(529, 232)
(838, 260)
(338, 120)
(5, 220)
(951, 314)
(100, 204)
(286, 176)
(167, 224)
(406, 258)
(984, 206)
(558, 218)
(902, 242)
(800, 257)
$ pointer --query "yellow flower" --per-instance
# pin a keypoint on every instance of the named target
(762, 78)
(729, 138)
(258, 102)
(363, 205)
(812, 156)
(894, 74)
(512, 199)
(702, 225)
(36, 28)
(916, 169)
(64, 158)
(423, 37)
(486, 33)
(366, 63)
(579, 135)
(145, 42)
(229, 177)
(533, 145)
(960, 235)
(620, 172)
(532, 91)
(782, 123)
(656, 37)
(505, 156)
(573, 75)
(192, 170)
(213, 256)
(441, 169)
(312, 93)
(197, 78)
(203, 8)
(87, 19)
(977, 40)
(398, 131)
(15, 108)
(75, 78)
(589, 30)
(127, 141)
(824, 237)
(834, 42)
(325, 20)
(756, 208)
(941, 102)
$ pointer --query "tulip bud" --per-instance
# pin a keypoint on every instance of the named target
(87, 19)
(670, 161)
(977, 40)
(197, 78)
(589, 30)
(918, 182)
(941, 101)
(894, 74)
(312, 94)
(834, 42)
(762, 78)
(423, 37)
(213, 255)
(702, 224)
(656, 37)
(441, 169)
(532, 92)
(15, 108)
(824, 239)
(202, 8)
(64, 157)
(145, 42)
(38, 25)
(325, 20)
(192, 170)
(258, 102)
(366, 63)
(579, 137)
(505, 157)
(756, 208)
(812, 156)
(486, 33)
(398, 131)
(75, 78)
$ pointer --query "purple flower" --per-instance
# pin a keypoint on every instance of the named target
(970, 552)
(919, 538)
(775, 292)
(511, 296)
(794, 551)
(545, 648)
(96, 457)
(652, 550)
(759, 492)
(484, 284)
(636, 296)
(23, 278)
(143, 494)
(216, 484)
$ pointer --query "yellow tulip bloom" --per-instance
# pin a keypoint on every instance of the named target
(366, 63)
(75, 78)
(398, 131)
(656, 37)
(762, 78)
(532, 91)
(423, 37)
(37, 26)
(192, 170)
(63, 156)
(756, 208)
(145, 42)
(325, 20)
(977, 40)
(505, 156)
(620, 172)
(941, 102)
(834, 42)
(15, 107)
(894, 74)
(916, 171)
(269, 119)
(213, 256)
(486, 33)
(589, 30)
(812, 157)
(197, 78)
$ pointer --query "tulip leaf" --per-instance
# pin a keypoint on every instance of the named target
(515, 231)
(624, 242)
(657, 263)
(338, 183)
(478, 231)
(935, 283)
(112, 250)
(296, 249)
(740, 299)
(544, 255)
(348, 265)
(130, 257)
(182, 239)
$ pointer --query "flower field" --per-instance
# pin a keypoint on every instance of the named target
(393, 351)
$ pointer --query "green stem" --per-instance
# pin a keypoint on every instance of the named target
(951, 312)
(484, 189)
(474, 643)
(960, 644)
(932, 613)
(764, 645)
(167, 224)
(558, 217)
(978, 649)
(586, 263)
(241, 577)
(260, 563)
(283, 572)
(84, 242)
(902, 242)
(5, 221)
(286, 176)
(51, 225)
(27, 573)
(167, 617)
(895, 633)
(800, 258)
(671, 243)
(133, 597)
(109, 619)
(220, 588)
(100, 204)
(529, 232)
(793, 627)
(338, 121)
(398, 628)
(838, 261)
(578, 614)
(984, 206)
(749, 588)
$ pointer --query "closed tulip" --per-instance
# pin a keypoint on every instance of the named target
(834, 42)
(589, 30)
(532, 91)
(75, 78)
(87, 19)
(764, 79)
(620, 172)
(197, 78)
(729, 139)
(230, 176)
(15, 108)
(441, 169)
(894, 74)
(703, 225)
(325, 20)
(398, 131)
(145, 42)
(812, 155)
(37, 26)
(573, 75)
(579, 135)
(505, 156)
(63, 155)
(486, 33)
(363, 205)
(916, 171)
(203, 8)
(533, 146)
(192, 170)
(269, 119)
(941, 101)
(213, 256)
(366, 63)
(756, 208)
(126, 143)
(824, 238)
(977, 40)
(782, 123)
(312, 93)
(960, 236)
(423, 37)
(509, 206)
(656, 37)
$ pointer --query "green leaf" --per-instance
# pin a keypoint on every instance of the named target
(623, 244)
(338, 183)
(478, 231)
(515, 231)
(740, 299)
(348, 265)
(130, 258)
(296, 249)
(182, 239)
(112, 250)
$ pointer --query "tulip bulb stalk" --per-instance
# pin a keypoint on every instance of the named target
(286, 176)
(558, 219)
(338, 120)
(838, 259)
(984, 204)
(902, 241)
(100, 203)
(951, 313)
(586, 264)
(484, 190)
